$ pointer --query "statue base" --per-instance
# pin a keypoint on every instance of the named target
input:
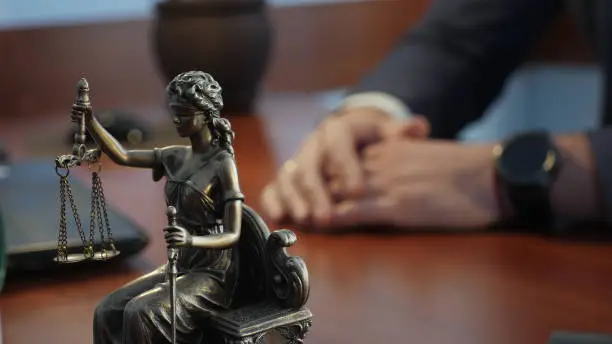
(263, 323)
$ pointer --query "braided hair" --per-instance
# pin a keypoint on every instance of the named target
(199, 90)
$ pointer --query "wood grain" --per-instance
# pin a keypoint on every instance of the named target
(429, 289)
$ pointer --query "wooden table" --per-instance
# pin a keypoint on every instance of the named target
(426, 289)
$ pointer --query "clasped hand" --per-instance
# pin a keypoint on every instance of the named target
(366, 168)
(177, 236)
(79, 112)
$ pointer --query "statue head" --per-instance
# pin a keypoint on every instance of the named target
(195, 101)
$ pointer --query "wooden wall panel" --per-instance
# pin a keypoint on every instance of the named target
(42, 66)
(316, 47)
(332, 45)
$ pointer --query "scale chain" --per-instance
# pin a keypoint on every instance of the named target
(100, 223)
(99, 211)
(77, 218)
(62, 240)
(92, 216)
(102, 199)
(93, 212)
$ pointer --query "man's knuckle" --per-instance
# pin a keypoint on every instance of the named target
(310, 180)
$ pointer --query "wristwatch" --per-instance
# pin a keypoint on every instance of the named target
(526, 166)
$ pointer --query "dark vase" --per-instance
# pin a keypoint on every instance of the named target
(230, 39)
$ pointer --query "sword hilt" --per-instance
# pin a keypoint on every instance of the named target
(172, 250)
(171, 214)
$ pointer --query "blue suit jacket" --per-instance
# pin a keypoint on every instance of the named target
(454, 63)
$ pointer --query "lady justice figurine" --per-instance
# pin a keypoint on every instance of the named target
(205, 202)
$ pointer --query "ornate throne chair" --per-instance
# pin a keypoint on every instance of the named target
(272, 289)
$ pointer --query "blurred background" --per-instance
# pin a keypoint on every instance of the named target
(317, 47)
(282, 65)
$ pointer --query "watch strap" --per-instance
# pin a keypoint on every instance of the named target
(525, 209)
(531, 206)
(528, 206)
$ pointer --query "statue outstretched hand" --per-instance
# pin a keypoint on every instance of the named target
(177, 236)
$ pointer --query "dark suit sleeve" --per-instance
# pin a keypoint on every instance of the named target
(601, 148)
(454, 63)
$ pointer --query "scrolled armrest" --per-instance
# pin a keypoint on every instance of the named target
(289, 275)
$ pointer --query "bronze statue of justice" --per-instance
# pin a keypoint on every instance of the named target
(228, 278)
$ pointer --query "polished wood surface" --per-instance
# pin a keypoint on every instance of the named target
(316, 46)
(429, 289)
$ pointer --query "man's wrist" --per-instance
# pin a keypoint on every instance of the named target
(504, 206)
(599, 142)
(526, 167)
(574, 194)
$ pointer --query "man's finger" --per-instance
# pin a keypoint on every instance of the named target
(296, 204)
(272, 202)
(312, 182)
(417, 128)
(361, 212)
(272, 198)
(374, 152)
(340, 147)
(336, 190)
(319, 198)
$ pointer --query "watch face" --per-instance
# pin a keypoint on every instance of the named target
(522, 159)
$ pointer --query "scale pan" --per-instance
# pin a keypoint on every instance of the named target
(105, 255)
(71, 258)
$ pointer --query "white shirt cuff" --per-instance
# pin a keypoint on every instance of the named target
(382, 101)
